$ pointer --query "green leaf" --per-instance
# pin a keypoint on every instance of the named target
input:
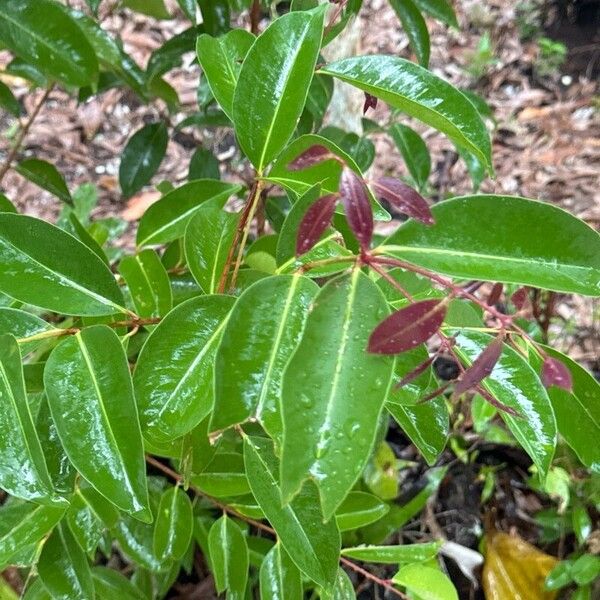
(167, 219)
(22, 325)
(415, 28)
(333, 391)
(44, 266)
(174, 373)
(63, 567)
(23, 473)
(223, 476)
(169, 55)
(173, 528)
(426, 582)
(148, 283)
(152, 8)
(280, 578)
(110, 584)
(266, 322)
(42, 33)
(343, 590)
(507, 239)
(142, 156)
(578, 413)
(273, 84)
(229, 558)
(409, 553)
(46, 176)
(359, 509)
(216, 15)
(207, 241)
(8, 101)
(6, 205)
(314, 546)
(221, 59)
(439, 9)
(514, 383)
(204, 164)
(414, 153)
(419, 94)
(84, 524)
(91, 399)
(22, 525)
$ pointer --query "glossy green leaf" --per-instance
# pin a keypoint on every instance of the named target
(414, 153)
(207, 241)
(408, 553)
(44, 266)
(439, 9)
(148, 283)
(577, 413)
(167, 219)
(359, 509)
(63, 567)
(142, 156)
(266, 322)
(22, 525)
(382, 472)
(228, 558)
(333, 391)
(314, 546)
(415, 28)
(419, 94)
(280, 578)
(8, 101)
(169, 55)
(204, 164)
(6, 205)
(514, 383)
(46, 176)
(91, 399)
(273, 84)
(42, 33)
(326, 173)
(507, 239)
(76, 229)
(84, 524)
(24, 473)
(174, 373)
(23, 325)
(173, 527)
(223, 476)
(343, 589)
(110, 584)
(152, 8)
(426, 582)
(221, 59)
(216, 15)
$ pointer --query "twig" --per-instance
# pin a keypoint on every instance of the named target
(255, 17)
(22, 133)
(385, 583)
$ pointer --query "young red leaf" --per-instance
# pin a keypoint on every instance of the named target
(520, 298)
(355, 198)
(407, 328)
(482, 366)
(315, 221)
(555, 373)
(496, 403)
(404, 199)
(311, 156)
(415, 372)
(370, 102)
(495, 294)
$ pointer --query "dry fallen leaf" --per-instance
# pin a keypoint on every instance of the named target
(137, 205)
(514, 569)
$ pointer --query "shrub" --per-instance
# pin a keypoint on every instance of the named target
(204, 393)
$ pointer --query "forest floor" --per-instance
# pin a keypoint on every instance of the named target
(546, 146)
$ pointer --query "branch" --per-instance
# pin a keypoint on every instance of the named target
(22, 133)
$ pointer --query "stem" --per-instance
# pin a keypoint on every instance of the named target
(385, 583)
(255, 17)
(334, 17)
(22, 133)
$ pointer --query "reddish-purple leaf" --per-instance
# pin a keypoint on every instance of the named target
(482, 366)
(496, 403)
(556, 373)
(315, 221)
(311, 156)
(520, 298)
(495, 294)
(407, 328)
(355, 198)
(370, 102)
(438, 392)
(404, 199)
(415, 372)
